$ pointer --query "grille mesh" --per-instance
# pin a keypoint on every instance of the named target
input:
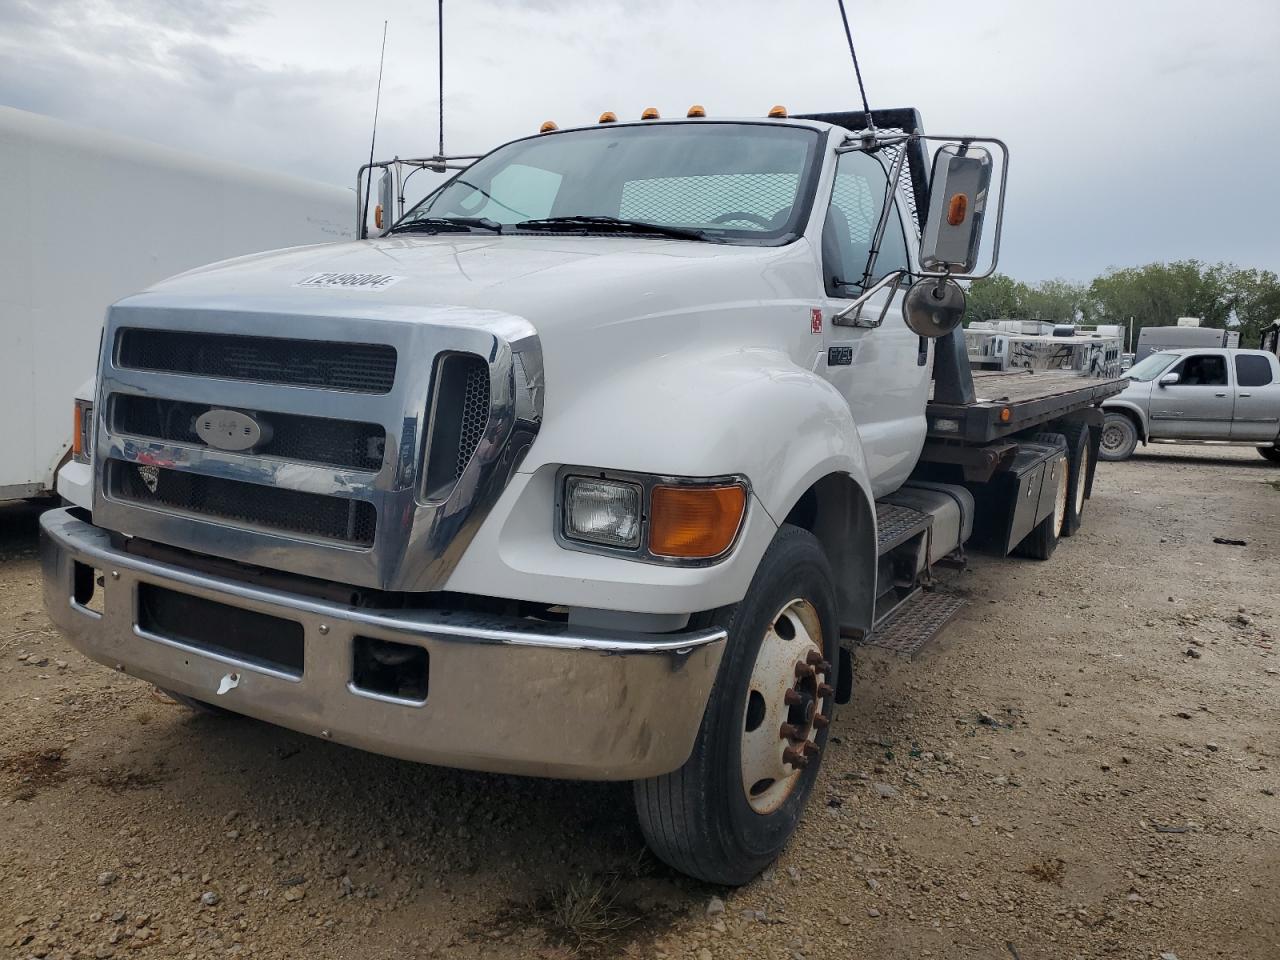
(475, 411)
(357, 367)
(250, 504)
(337, 443)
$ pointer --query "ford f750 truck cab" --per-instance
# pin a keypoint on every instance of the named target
(597, 463)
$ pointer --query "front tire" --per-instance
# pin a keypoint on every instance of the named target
(728, 812)
(1119, 438)
(1270, 453)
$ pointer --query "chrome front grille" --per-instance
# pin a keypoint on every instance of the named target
(359, 367)
(384, 441)
(250, 505)
(337, 443)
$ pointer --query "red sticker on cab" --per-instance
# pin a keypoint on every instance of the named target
(815, 320)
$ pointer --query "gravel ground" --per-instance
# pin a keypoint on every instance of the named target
(1085, 765)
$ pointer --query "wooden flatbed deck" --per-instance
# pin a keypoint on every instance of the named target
(1031, 397)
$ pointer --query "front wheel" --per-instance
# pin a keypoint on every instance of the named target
(1119, 438)
(1270, 453)
(728, 812)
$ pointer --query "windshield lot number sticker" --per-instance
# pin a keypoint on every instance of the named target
(349, 281)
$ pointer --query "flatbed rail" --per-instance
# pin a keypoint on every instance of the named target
(1009, 401)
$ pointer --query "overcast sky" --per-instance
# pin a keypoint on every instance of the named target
(1140, 130)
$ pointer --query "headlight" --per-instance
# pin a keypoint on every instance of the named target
(602, 511)
(673, 520)
(82, 432)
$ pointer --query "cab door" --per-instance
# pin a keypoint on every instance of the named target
(1257, 411)
(883, 372)
(1200, 405)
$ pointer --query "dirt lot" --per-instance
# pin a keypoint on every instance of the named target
(1086, 765)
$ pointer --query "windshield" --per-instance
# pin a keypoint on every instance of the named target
(730, 182)
(1151, 366)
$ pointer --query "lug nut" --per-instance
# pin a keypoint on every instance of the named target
(789, 731)
(803, 670)
(820, 721)
(810, 749)
(795, 758)
(792, 697)
(825, 690)
(814, 659)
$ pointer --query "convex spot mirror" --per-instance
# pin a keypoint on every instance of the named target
(1169, 379)
(961, 180)
(933, 307)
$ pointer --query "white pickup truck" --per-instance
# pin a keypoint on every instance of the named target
(598, 463)
(1196, 395)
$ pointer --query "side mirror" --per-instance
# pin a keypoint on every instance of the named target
(1169, 379)
(961, 179)
(933, 307)
(384, 212)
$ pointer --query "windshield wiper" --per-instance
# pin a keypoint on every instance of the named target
(446, 225)
(601, 223)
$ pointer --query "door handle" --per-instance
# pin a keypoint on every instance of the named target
(1242, 396)
(1219, 394)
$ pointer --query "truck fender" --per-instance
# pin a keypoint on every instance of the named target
(755, 413)
(1135, 413)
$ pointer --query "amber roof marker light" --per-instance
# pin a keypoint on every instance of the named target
(697, 110)
(608, 117)
(650, 113)
(779, 112)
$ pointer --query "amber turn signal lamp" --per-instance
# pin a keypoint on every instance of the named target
(1006, 415)
(650, 113)
(697, 110)
(548, 126)
(77, 432)
(608, 117)
(957, 209)
(377, 216)
(695, 523)
(778, 111)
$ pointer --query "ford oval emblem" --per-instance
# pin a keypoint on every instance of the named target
(231, 430)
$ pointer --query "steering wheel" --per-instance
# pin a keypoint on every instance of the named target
(758, 220)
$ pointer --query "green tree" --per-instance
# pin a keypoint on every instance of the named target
(996, 298)
(1257, 302)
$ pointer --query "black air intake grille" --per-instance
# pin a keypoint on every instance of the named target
(357, 367)
(475, 411)
(337, 443)
(247, 504)
(459, 416)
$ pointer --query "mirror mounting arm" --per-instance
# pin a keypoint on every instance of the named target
(851, 315)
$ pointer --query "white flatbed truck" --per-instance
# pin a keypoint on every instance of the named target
(598, 463)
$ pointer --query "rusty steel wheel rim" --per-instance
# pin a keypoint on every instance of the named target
(1082, 474)
(1060, 499)
(782, 716)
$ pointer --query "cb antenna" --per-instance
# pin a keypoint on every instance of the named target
(866, 107)
(377, 102)
(440, 58)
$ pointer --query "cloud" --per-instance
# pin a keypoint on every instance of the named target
(1138, 129)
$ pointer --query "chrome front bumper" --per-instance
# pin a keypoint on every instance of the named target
(505, 694)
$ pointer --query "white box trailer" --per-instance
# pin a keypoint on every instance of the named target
(87, 218)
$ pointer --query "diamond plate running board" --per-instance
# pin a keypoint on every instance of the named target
(915, 622)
